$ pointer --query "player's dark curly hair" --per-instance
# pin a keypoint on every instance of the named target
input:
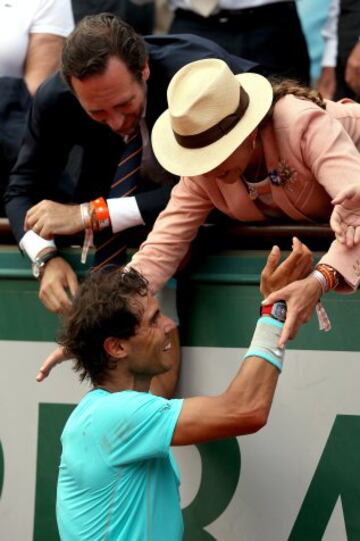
(94, 40)
(107, 305)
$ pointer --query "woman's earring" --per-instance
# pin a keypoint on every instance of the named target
(253, 144)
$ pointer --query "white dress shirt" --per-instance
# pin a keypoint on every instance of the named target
(221, 4)
(329, 33)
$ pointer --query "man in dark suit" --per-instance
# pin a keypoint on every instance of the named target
(114, 80)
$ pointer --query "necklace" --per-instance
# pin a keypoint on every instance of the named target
(254, 191)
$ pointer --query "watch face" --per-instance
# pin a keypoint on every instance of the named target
(279, 311)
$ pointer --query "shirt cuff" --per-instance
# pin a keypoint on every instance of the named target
(124, 213)
(33, 244)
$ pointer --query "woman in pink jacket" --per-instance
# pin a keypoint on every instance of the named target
(256, 152)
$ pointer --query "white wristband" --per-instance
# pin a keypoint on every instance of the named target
(321, 279)
(265, 340)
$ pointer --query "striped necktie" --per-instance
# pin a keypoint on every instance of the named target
(110, 248)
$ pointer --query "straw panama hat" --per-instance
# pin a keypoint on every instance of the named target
(211, 112)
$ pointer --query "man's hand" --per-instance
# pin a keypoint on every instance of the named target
(352, 70)
(56, 357)
(48, 218)
(297, 265)
(345, 218)
(58, 285)
(326, 83)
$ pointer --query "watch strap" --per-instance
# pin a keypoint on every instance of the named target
(266, 309)
(277, 310)
(40, 262)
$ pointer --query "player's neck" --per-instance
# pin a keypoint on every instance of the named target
(121, 382)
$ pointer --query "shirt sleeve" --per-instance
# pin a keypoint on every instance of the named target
(176, 226)
(133, 426)
(53, 17)
(330, 35)
(124, 213)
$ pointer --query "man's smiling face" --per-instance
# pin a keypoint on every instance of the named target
(115, 98)
(148, 347)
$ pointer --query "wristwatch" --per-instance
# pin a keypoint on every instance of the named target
(40, 262)
(276, 310)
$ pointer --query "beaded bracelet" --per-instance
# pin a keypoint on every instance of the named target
(330, 275)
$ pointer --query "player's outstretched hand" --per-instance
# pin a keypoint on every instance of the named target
(56, 357)
(296, 266)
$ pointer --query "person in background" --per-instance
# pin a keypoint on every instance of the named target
(142, 20)
(340, 77)
(117, 476)
(32, 35)
(268, 32)
(257, 152)
(313, 22)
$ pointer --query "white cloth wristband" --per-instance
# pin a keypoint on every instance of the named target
(264, 343)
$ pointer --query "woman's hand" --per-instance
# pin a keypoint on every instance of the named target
(345, 218)
(301, 298)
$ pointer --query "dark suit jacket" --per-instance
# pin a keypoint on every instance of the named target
(57, 124)
(15, 102)
(348, 35)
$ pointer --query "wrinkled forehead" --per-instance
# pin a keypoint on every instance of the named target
(114, 84)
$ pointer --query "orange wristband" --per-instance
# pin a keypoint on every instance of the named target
(100, 216)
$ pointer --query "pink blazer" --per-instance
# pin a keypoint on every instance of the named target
(311, 154)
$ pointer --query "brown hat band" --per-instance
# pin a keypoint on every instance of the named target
(217, 131)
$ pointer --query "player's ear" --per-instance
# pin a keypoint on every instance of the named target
(116, 347)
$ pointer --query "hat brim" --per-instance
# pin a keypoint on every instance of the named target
(197, 161)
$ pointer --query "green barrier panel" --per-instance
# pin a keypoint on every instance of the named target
(52, 418)
(337, 476)
(24, 316)
(217, 286)
(220, 474)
